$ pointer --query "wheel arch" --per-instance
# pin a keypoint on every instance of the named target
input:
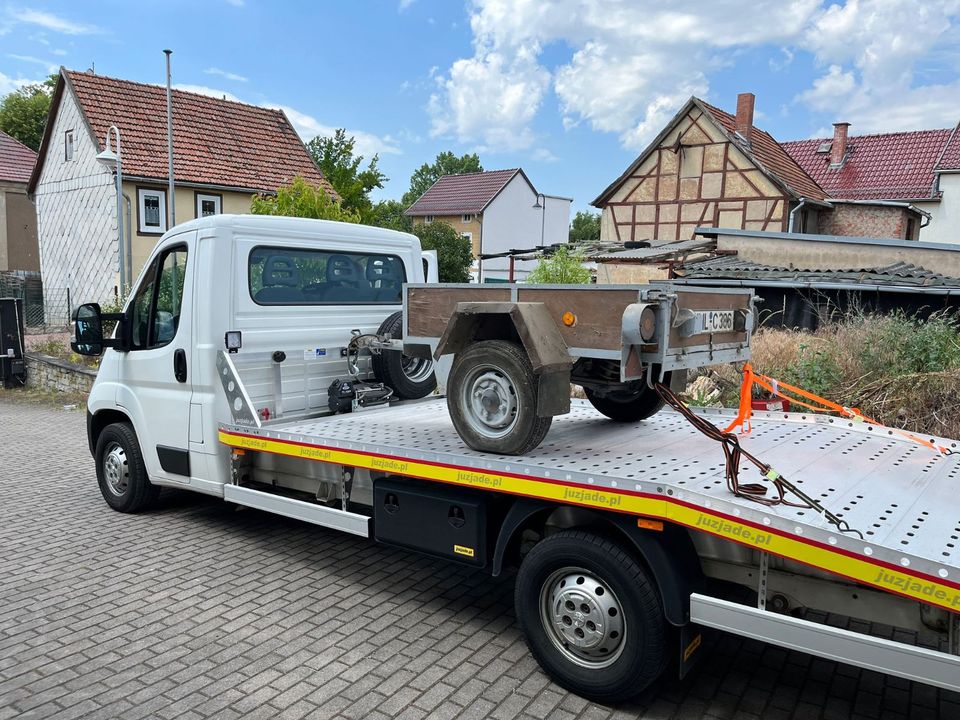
(97, 421)
(527, 324)
(668, 554)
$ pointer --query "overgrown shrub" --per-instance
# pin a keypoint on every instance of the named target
(900, 370)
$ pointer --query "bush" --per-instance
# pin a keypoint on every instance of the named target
(563, 267)
(900, 370)
(454, 254)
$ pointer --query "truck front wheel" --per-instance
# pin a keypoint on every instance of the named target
(120, 470)
(591, 616)
(492, 399)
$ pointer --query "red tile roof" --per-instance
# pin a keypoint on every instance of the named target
(771, 155)
(950, 160)
(462, 194)
(216, 142)
(16, 160)
(891, 166)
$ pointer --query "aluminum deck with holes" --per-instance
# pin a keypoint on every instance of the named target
(903, 497)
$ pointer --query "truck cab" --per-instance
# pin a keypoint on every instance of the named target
(291, 292)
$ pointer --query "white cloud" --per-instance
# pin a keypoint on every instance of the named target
(225, 74)
(50, 67)
(626, 67)
(209, 91)
(52, 22)
(59, 52)
(367, 144)
(491, 99)
(404, 4)
(10, 84)
(236, 3)
(830, 89)
(544, 155)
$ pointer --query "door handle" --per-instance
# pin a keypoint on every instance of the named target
(180, 365)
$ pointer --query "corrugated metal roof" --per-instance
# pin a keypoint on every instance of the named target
(733, 267)
(656, 251)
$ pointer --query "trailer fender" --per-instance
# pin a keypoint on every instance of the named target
(538, 334)
(668, 553)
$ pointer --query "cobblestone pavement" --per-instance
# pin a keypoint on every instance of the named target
(200, 610)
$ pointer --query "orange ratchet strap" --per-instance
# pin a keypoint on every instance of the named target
(776, 387)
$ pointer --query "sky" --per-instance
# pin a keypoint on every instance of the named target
(569, 90)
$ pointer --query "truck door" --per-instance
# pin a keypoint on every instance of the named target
(154, 378)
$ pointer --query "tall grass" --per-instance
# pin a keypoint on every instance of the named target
(900, 370)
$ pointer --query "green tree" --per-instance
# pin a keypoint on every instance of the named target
(585, 227)
(23, 113)
(301, 199)
(563, 267)
(389, 214)
(446, 164)
(454, 254)
(334, 156)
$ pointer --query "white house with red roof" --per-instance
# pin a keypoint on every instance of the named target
(224, 153)
(498, 211)
(879, 173)
(18, 217)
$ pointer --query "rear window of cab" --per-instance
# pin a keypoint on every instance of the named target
(297, 276)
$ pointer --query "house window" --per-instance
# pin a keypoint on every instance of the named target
(428, 219)
(466, 218)
(152, 211)
(68, 145)
(469, 239)
(208, 204)
(910, 228)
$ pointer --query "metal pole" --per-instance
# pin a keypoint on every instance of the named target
(171, 202)
(542, 199)
(124, 270)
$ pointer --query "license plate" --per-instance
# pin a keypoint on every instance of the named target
(712, 321)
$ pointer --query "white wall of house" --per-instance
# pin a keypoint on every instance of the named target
(944, 215)
(76, 214)
(511, 221)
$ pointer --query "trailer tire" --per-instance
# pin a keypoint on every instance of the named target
(591, 616)
(492, 399)
(121, 472)
(628, 406)
(411, 378)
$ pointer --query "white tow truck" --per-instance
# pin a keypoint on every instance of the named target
(260, 360)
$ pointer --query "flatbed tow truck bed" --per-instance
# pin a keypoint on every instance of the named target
(903, 497)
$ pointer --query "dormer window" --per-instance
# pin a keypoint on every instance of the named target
(68, 146)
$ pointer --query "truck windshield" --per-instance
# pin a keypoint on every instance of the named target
(294, 276)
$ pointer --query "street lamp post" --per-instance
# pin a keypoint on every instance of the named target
(112, 161)
(542, 204)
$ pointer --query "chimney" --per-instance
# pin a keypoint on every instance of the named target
(838, 149)
(745, 115)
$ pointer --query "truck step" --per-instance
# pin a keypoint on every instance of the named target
(299, 510)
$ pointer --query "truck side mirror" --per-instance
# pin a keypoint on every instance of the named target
(87, 330)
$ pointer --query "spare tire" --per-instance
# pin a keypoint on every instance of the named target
(411, 378)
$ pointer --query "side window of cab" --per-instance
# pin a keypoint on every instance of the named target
(155, 310)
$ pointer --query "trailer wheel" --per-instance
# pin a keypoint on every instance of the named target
(491, 396)
(121, 472)
(411, 378)
(637, 403)
(591, 616)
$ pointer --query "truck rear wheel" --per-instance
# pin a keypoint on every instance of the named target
(591, 616)
(411, 378)
(121, 473)
(492, 399)
(629, 405)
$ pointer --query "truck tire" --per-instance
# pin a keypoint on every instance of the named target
(411, 378)
(492, 399)
(628, 405)
(120, 470)
(591, 616)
